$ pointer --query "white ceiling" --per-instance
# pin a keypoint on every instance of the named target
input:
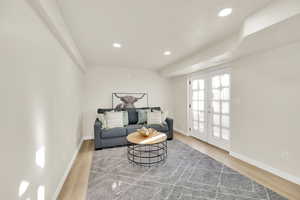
(146, 28)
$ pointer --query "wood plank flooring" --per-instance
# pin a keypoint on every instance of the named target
(75, 186)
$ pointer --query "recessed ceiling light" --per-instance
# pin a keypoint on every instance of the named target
(167, 53)
(117, 45)
(225, 12)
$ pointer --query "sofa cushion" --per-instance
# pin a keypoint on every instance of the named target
(132, 116)
(159, 127)
(113, 132)
(132, 128)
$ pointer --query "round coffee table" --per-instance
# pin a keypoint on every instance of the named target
(147, 151)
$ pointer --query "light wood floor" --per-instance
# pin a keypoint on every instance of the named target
(75, 186)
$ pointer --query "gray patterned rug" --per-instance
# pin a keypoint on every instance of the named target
(187, 175)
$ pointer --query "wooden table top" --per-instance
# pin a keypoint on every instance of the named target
(153, 138)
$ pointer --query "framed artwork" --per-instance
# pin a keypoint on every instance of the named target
(129, 100)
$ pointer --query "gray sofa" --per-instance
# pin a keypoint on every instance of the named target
(117, 136)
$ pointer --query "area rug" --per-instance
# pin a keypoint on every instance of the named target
(186, 175)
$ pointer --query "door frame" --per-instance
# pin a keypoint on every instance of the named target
(204, 73)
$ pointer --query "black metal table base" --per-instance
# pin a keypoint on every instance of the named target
(147, 155)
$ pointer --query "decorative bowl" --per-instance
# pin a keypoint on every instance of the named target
(146, 131)
(151, 130)
(143, 131)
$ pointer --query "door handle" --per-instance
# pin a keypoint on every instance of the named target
(209, 110)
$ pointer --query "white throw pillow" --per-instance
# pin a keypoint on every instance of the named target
(154, 117)
(114, 119)
(164, 114)
(102, 120)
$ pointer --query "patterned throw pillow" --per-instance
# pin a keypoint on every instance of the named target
(154, 117)
(125, 118)
(142, 116)
(114, 119)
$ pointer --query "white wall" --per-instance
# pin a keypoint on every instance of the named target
(265, 108)
(180, 103)
(101, 82)
(40, 90)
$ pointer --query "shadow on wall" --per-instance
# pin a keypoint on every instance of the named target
(80, 130)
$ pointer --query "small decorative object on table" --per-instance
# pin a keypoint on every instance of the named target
(146, 131)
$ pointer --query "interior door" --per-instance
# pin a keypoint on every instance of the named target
(209, 108)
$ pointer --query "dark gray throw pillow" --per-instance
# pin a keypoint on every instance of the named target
(132, 116)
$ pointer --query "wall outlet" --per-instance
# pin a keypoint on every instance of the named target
(285, 155)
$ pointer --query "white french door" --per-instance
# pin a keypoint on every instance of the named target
(209, 108)
(198, 107)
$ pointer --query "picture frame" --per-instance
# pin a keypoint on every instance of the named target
(124, 100)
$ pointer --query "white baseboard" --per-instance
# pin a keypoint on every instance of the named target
(267, 168)
(88, 137)
(63, 179)
(180, 131)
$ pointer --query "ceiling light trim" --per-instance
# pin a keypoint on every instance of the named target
(167, 53)
(225, 12)
(117, 45)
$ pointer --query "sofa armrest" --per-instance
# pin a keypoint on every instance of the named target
(98, 123)
(97, 133)
(170, 126)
